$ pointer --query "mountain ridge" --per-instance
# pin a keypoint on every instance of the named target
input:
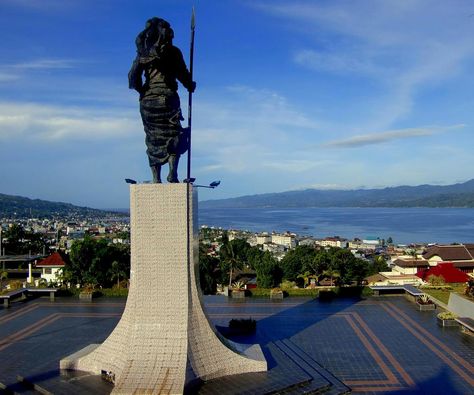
(455, 195)
(23, 207)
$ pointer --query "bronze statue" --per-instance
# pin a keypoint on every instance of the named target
(162, 64)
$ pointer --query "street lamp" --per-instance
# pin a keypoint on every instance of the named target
(212, 185)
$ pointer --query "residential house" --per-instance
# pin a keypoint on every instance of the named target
(51, 267)
(461, 256)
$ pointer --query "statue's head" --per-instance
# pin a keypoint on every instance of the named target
(157, 35)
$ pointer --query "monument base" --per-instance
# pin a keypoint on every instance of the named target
(164, 334)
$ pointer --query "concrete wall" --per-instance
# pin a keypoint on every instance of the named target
(461, 306)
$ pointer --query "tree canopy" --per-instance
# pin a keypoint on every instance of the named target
(97, 263)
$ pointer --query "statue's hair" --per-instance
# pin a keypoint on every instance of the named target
(154, 38)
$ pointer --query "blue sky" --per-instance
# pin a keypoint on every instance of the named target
(290, 95)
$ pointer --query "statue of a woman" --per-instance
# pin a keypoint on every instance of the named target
(161, 63)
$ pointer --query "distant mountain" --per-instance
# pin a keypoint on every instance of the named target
(457, 195)
(22, 207)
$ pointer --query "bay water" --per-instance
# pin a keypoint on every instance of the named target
(403, 225)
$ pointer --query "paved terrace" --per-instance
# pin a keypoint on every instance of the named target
(376, 346)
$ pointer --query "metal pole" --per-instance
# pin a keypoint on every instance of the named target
(190, 99)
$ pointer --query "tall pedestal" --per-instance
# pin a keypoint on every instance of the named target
(164, 330)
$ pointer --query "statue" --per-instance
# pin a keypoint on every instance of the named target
(162, 64)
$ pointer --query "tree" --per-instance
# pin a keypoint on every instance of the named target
(254, 256)
(332, 274)
(116, 271)
(320, 263)
(305, 276)
(350, 268)
(296, 260)
(19, 241)
(389, 240)
(268, 271)
(91, 262)
(379, 265)
(209, 271)
(233, 255)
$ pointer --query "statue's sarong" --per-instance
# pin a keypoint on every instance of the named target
(161, 116)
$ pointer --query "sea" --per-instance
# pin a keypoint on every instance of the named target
(403, 225)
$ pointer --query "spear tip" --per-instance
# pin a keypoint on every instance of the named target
(193, 20)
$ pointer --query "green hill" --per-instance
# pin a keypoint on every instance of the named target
(22, 207)
(456, 195)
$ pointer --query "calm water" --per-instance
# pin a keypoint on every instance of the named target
(404, 225)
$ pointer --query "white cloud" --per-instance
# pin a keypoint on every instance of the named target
(334, 62)
(45, 64)
(403, 46)
(56, 123)
(10, 72)
(383, 137)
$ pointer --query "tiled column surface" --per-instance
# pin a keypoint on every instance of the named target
(163, 324)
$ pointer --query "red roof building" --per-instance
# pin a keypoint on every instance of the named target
(54, 260)
(460, 255)
(445, 270)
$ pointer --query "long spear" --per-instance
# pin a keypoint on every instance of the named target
(190, 100)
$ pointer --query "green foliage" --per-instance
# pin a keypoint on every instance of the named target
(285, 285)
(447, 315)
(296, 261)
(310, 292)
(436, 280)
(379, 265)
(268, 271)
(19, 241)
(114, 292)
(254, 257)
(233, 255)
(97, 263)
(209, 271)
(424, 299)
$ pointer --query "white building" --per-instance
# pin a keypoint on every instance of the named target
(263, 238)
(333, 242)
(287, 240)
(51, 267)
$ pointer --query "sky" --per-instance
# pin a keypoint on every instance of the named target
(332, 94)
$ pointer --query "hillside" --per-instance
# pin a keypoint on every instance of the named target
(456, 195)
(22, 207)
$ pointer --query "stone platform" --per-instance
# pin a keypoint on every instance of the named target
(164, 339)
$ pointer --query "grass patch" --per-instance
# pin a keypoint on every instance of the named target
(442, 292)
(114, 292)
(314, 292)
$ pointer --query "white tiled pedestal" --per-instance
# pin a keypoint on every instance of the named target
(163, 326)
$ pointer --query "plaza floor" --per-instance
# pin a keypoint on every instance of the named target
(376, 345)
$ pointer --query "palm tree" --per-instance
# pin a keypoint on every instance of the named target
(116, 272)
(230, 257)
(331, 273)
(306, 276)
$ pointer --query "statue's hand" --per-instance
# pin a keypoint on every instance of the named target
(192, 88)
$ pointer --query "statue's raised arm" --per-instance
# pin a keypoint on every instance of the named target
(161, 65)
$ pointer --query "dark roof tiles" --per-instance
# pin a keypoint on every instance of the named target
(449, 253)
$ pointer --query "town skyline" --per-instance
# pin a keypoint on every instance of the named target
(289, 96)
